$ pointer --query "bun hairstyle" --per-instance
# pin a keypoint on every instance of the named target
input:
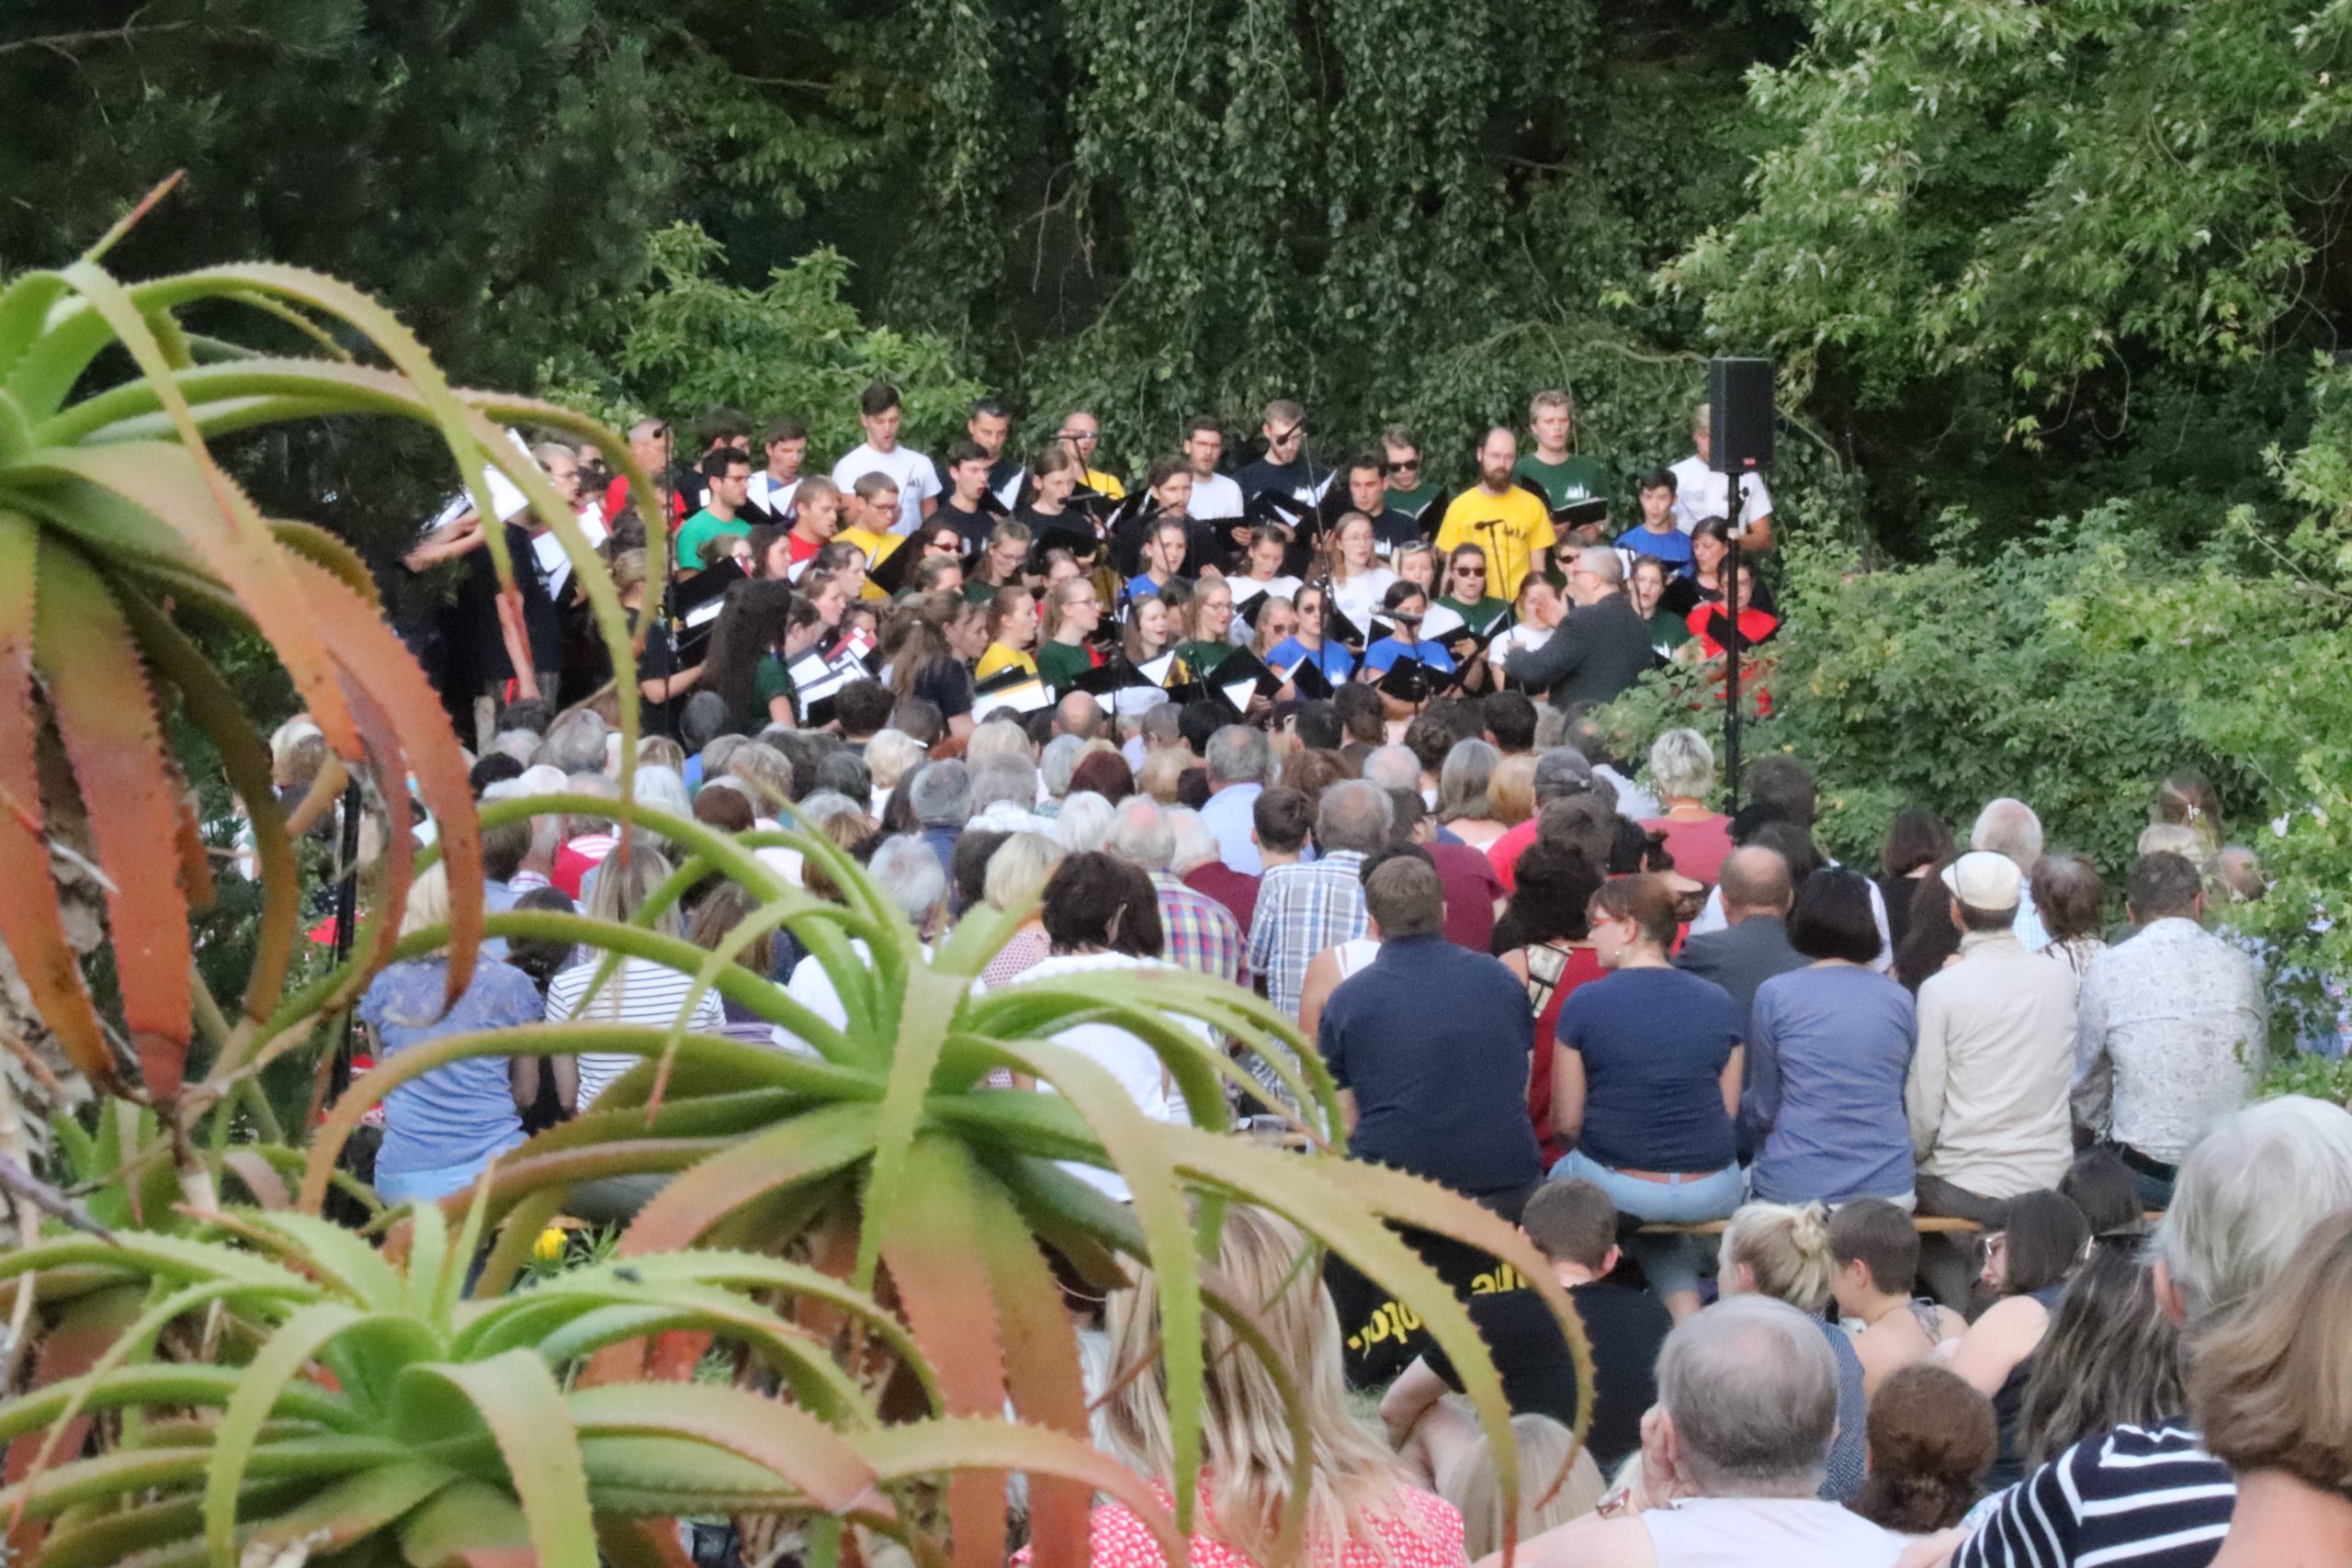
(1786, 1248)
(1932, 1438)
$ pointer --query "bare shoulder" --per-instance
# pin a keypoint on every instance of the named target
(1589, 1542)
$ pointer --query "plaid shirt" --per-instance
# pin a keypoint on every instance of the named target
(1302, 909)
(1202, 935)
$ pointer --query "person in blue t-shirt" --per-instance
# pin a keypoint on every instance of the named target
(1659, 534)
(1405, 604)
(1163, 558)
(1310, 646)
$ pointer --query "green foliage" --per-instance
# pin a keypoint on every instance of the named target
(2308, 1073)
(793, 345)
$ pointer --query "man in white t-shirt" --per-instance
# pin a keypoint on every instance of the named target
(918, 481)
(775, 488)
(1701, 493)
(1214, 495)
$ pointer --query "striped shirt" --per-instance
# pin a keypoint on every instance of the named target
(639, 992)
(2146, 1497)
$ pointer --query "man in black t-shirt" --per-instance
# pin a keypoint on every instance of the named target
(1574, 1224)
(967, 473)
(1286, 469)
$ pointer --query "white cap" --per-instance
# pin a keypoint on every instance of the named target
(1983, 881)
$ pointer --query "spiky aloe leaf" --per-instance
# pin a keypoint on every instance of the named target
(516, 1397)
(799, 1449)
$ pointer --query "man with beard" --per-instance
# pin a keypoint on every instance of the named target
(1509, 520)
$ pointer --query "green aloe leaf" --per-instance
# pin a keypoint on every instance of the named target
(468, 1521)
(516, 1397)
(813, 1145)
(797, 1447)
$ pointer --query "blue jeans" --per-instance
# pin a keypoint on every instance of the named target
(433, 1183)
(1672, 1262)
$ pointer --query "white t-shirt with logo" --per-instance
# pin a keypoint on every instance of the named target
(917, 481)
(1214, 498)
(1700, 491)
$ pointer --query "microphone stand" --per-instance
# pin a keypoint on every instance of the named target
(1732, 640)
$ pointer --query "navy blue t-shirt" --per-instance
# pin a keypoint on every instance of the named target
(1654, 1043)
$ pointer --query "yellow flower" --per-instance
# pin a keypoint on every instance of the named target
(548, 1248)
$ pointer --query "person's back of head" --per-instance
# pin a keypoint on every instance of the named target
(844, 773)
(2164, 886)
(503, 849)
(1785, 782)
(1198, 724)
(1162, 725)
(1572, 1222)
(528, 714)
(999, 735)
(1404, 898)
(863, 708)
(2068, 897)
(1084, 823)
(1393, 768)
(1237, 754)
(1881, 1239)
(941, 795)
(1755, 881)
(1352, 815)
(1932, 1439)
(919, 718)
(702, 719)
(907, 871)
(1056, 762)
(2247, 1196)
(1196, 846)
(574, 742)
(1282, 818)
(1193, 788)
(1781, 1250)
(1579, 822)
(2008, 826)
(1682, 765)
(2268, 1390)
(1470, 1480)
(1750, 1385)
(1141, 834)
(1318, 726)
(1560, 774)
(2103, 1188)
(1795, 847)
(1834, 918)
(1361, 716)
(491, 768)
(1510, 720)
(968, 868)
(1097, 902)
(2110, 1356)
(2043, 1236)
(1003, 780)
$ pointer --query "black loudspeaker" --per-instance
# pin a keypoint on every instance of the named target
(1739, 430)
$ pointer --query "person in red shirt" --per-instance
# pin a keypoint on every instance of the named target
(649, 443)
(1709, 623)
(1545, 923)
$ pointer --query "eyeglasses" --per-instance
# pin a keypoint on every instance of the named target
(1401, 466)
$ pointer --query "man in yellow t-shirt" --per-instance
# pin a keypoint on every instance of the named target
(868, 509)
(1078, 434)
(1507, 520)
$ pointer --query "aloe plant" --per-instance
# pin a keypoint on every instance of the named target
(363, 1410)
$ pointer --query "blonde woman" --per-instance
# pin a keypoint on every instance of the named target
(639, 990)
(1781, 1250)
(1471, 1483)
(441, 1129)
(888, 758)
(1360, 1510)
(1359, 582)
(1463, 802)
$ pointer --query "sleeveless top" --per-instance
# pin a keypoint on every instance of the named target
(1355, 956)
(1848, 1466)
(1767, 1532)
(2008, 1404)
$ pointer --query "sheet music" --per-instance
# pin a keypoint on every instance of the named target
(704, 612)
(1156, 672)
(1240, 693)
(1027, 697)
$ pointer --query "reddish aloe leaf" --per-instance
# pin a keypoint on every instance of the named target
(805, 1148)
(640, 1543)
(783, 1437)
(268, 1188)
(31, 922)
(196, 860)
(106, 718)
(1041, 1362)
(943, 1281)
(211, 702)
(374, 660)
(400, 840)
(86, 1331)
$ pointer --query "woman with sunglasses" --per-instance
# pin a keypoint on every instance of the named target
(1307, 645)
(1463, 599)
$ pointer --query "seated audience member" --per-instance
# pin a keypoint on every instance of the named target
(2072, 902)
(2027, 1264)
(2106, 1193)
(1345, 960)
(1016, 875)
(1470, 1480)
(1434, 1090)
(2009, 828)
(1917, 845)
(2111, 1357)
(1197, 932)
(724, 908)
(1463, 803)
(1199, 865)
(968, 872)
(1304, 909)
(1239, 765)
(1876, 1249)
(2248, 1197)
(1550, 954)
(1646, 1082)
(1829, 1048)
(638, 991)
(1105, 773)
(1363, 1509)
(1004, 793)
(1084, 824)
(2271, 1396)
(1747, 1409)
(1782, 1251)
(1473, 891)
(1930, 1443)
(1574, 1224)
(1280, 821)
(1560, 774)
(1754, 947)
(442, 1128)
(1988, 1092)
(1682, 766)
(2172, 1029)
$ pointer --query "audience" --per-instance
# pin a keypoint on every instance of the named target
(1876, 1250)
(1931, 1442)
(1306, 908)
(1698, 837)
(1781, 1250)
(2028, 1261)
(2111, 1358)
(1754, 946)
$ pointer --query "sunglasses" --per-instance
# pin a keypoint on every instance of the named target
(1402, 466)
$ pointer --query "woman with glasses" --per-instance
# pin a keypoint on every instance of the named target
(1208, 625)
(1307, 645)
(1073, 612)
(1001, 563)
(2028, 1263)
(1463, 599)
(1645, 1081)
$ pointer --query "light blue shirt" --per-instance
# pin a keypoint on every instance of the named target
(1385, 653)
(1231, 815)
(461, 1110)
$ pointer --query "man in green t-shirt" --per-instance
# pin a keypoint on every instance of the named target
(728, 472)
(1561, 478)
(1409, 493)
